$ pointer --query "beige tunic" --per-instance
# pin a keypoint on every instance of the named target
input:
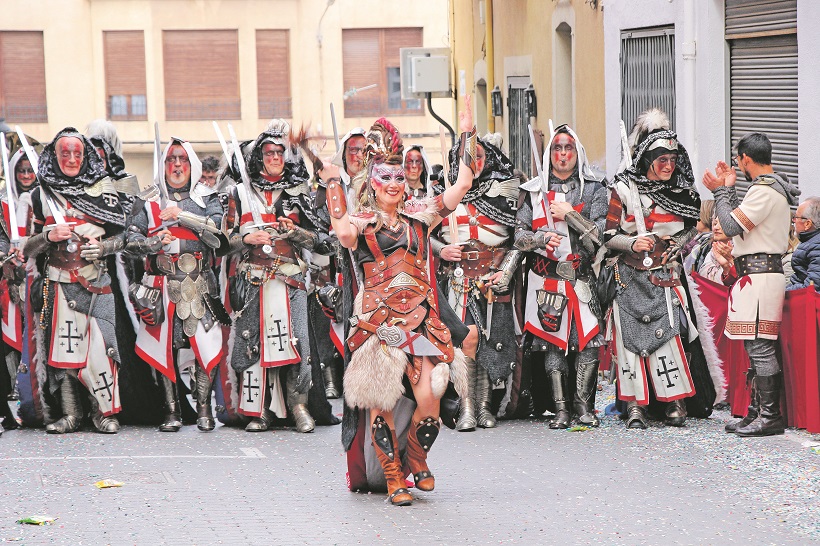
(756, 301)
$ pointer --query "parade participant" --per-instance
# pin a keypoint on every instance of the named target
(78, 220)
(350, 157)
(759, 227)
(417, 171)
(177, 300)
(210, 170)
(652, 214)
(395, 327)
(562, 310)
(477, 266)
(268, 293)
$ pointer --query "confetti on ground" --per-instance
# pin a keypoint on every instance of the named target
(579, 428)
(105, 484)
(37, 520)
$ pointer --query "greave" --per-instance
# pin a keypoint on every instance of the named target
(558, 382)
(751, 412)
(676, 413)
(13, 363)
(263, 422)
(466, 413)
(386, 445)
(635, 415)
(72, 409)
(770, 421)
(173, 420)
(484, 415)
(586, 385)
(419, 441)
(297, 401)
(204, 386)
(331, 390)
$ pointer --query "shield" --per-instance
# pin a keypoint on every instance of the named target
(189, 326)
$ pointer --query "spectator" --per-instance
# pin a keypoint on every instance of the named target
(806, 257)
(210, 167)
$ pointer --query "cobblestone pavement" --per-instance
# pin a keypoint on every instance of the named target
(520, 483)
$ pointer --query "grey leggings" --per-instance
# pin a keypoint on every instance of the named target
(763, 356)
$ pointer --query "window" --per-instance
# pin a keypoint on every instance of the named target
(201, 69)
(124, 53)
(519, 120)
(273, 73)
(22, 77)
(371, 58)
(647, 73)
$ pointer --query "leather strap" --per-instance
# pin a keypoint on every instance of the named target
(750, 264)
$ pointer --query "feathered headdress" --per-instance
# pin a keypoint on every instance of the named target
(647, 122)
(384, 145)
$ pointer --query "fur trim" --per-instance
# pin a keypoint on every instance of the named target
(362, 220)
(123, 280)
(505, 402)
(458, 373)
(706, 326)
(429, 215)
(40, 365)
(648, 121)
(105, 130)
(439, 378)
(373, 379)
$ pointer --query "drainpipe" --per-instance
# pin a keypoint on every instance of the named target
(488, 38)
(689, 109)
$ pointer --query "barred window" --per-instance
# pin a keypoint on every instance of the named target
(22, 77)
(124, 53)
(647, 72)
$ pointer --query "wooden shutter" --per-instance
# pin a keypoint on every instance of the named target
(124, 53)
(201, 70)
(393, 40)
(361, 54)
(22, 77)
(273, 73)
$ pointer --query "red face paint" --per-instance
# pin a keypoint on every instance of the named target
(563, 155)
(177, 167)
(70, 154)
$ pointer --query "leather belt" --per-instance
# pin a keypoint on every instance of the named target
(61, 258)
(635, 259)
(749, 264)
(282, 253)
(478, 259)
(173, 264)
(550, 268)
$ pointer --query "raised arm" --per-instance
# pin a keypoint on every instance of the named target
(467, 152)
(347, 233)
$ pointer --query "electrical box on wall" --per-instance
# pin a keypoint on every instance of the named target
(423, 71)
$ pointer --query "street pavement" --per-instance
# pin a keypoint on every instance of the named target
(520, 483)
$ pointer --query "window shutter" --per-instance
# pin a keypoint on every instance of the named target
(273, 73)
(124, 55)
(201, 69)
(22, 77)
(361, 54)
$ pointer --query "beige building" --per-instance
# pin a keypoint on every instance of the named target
(554, 46)
(185, 63)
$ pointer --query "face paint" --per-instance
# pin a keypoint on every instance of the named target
(388, 184)
(413, 166)
(354, 154)
(273, 159)
(177, 167)
(563, 155)
(70, 155)
(662, 167)
(480, 160)
(382, 175)
(25, 174)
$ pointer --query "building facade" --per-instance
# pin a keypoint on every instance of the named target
(185, 63)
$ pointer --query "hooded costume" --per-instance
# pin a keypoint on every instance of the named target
(562, 312)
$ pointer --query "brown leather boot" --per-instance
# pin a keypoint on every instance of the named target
(419, 441)
(387, 452)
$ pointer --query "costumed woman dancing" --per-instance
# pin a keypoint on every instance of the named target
(395, 329)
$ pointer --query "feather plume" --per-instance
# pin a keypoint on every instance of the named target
(648, 121)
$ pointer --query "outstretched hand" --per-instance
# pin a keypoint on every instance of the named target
(465, 117)
(724, 175)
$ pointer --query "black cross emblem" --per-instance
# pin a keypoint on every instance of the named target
(106, 386)
(667, 371)
(69, 338)
(249, 386)
(110, 199)
(279, 335)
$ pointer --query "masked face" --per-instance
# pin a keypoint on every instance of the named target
(662, 168)
(354, 154)
(563, 156)
(70, 155)
(25, 175)
(413, 167)
(177, 167)
(388, 183)
(273, 158)
(480, 160)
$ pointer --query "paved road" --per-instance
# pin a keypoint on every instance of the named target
(518, 484)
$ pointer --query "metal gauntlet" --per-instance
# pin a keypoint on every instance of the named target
(620, 242)
(301, 237)
(204, 227)
(236, 244)
(586, 227)
(511, 262)
(95, 251)
(529, 241)
(677, 242)
(36, 244)
(336, 199)
(466, 149)
(141, 245)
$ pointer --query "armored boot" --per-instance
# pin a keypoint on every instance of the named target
(105, 424)
(676, 413)
(13, 364)
(558, 381)
(72, 409)
(302, 418)
(586, 385)
(770, 421)
(751, 412)
(331, 390)
(261, 423)
(204, 384)
(466, 413)
(387, 452)
(419, 441)
(483, 390)
(173, 420)
(635, 415)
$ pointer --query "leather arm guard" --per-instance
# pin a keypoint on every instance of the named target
(677, 242)
(589, 237)
(620, 242)
(205, 228)
(36, 245)
(336, 199)
(467, 149)
(436, 246)
(511, 262)
(103, 248)
(299, 236)
(142, 246)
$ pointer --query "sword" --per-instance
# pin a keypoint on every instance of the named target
(14, 235)
(246, 180)
(160, 183)
(490, 302)
(637, 207)
(335, 129)
(222, 143)
(544, 185)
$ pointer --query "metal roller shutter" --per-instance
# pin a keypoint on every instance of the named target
(647, 72)
(762, 37)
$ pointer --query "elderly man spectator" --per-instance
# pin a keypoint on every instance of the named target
(806, 257)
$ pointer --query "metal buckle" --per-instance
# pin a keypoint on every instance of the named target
(565, 270)
(470, 255)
